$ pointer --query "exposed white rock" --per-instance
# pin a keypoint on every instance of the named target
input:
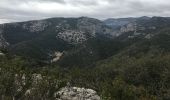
(86, 28)
(72, 36)
(1, 54)
(148, 36)
(127, 28)
(35, 26)
(28, 92)
(132, 27)
(76, 93)
(57, 55)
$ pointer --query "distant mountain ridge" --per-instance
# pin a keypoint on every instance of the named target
(84, 39)
(42, 38)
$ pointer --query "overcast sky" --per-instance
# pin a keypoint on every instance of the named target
(21, 10)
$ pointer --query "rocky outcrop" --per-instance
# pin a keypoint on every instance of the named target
(149, 36)
(60, 93)
(72, 36)
(56, 56)
(35, 26)
(40, 88)
(76, 93)
(85, 28)
(127, 28)
(1, 54)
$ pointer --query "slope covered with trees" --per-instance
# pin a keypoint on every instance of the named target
(135, 65)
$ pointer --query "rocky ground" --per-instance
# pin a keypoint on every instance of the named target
(76, 93)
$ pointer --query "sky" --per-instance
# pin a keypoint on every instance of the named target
(23, 10)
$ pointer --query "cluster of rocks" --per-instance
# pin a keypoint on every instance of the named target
(134, 27)
(76, 93)
(64, 93)
(72, 36)
(85, 28)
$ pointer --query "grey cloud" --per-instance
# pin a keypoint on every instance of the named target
(82, 2)
(21, 10)
(20, 1)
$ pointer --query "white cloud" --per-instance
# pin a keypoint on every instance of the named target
(20, 10)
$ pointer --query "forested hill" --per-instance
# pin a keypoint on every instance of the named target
(121, 59)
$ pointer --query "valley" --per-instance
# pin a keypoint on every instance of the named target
(61, 58)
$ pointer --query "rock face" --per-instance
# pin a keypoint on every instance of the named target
(85, 28)
(72, 36)
(75, 93)
(57, 55)
(128, 27)
(35, 26)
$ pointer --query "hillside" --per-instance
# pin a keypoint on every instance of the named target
(121, 59)
(83, 41)
(41, 39)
